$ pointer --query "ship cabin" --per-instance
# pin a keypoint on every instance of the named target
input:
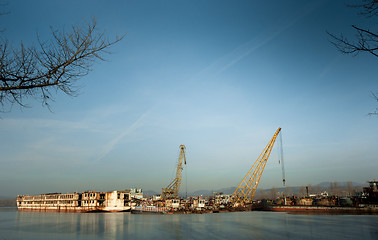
(172, 203)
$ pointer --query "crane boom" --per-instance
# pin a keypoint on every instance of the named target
(173, 189)
(247, 188)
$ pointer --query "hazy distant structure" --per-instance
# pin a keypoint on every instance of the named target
(172, 190)
(247, 188)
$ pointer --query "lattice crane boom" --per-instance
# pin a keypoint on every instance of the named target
(247, 188)
(173, 189)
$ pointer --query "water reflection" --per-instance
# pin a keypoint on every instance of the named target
(78, 225)
(242, 225)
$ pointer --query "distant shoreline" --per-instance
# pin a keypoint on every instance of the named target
(370, 210)
(8, 202)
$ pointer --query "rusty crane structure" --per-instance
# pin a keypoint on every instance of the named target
(247, 188)
(172, 190)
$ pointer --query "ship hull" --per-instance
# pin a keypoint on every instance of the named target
(322, 209)
(73, 209)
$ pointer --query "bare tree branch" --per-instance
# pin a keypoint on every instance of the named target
(53, 65)
(376, 110)
(366, 40)
(369, 8)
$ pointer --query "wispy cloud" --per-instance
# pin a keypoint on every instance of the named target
(228, 60)
(330, 66)
(110, 146)
(43, 123)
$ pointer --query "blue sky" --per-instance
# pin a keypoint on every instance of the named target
(217, 76)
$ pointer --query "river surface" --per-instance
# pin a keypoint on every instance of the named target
(234, 226)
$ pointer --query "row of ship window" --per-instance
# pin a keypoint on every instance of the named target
(55, 202)
(60, 196)
(47, 202)
(70, 196)
(89, 194)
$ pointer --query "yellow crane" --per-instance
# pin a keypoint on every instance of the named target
(246, 190)
(172, 190)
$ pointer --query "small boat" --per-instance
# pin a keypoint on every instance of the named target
(149, 210)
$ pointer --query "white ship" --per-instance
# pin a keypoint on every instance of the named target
(89, 201)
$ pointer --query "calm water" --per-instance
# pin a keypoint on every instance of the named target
(241, 225)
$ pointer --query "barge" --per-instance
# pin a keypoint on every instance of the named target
(366, 209)
(150, 210)
(89, 201)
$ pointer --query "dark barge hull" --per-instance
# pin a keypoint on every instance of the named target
(323, 209)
